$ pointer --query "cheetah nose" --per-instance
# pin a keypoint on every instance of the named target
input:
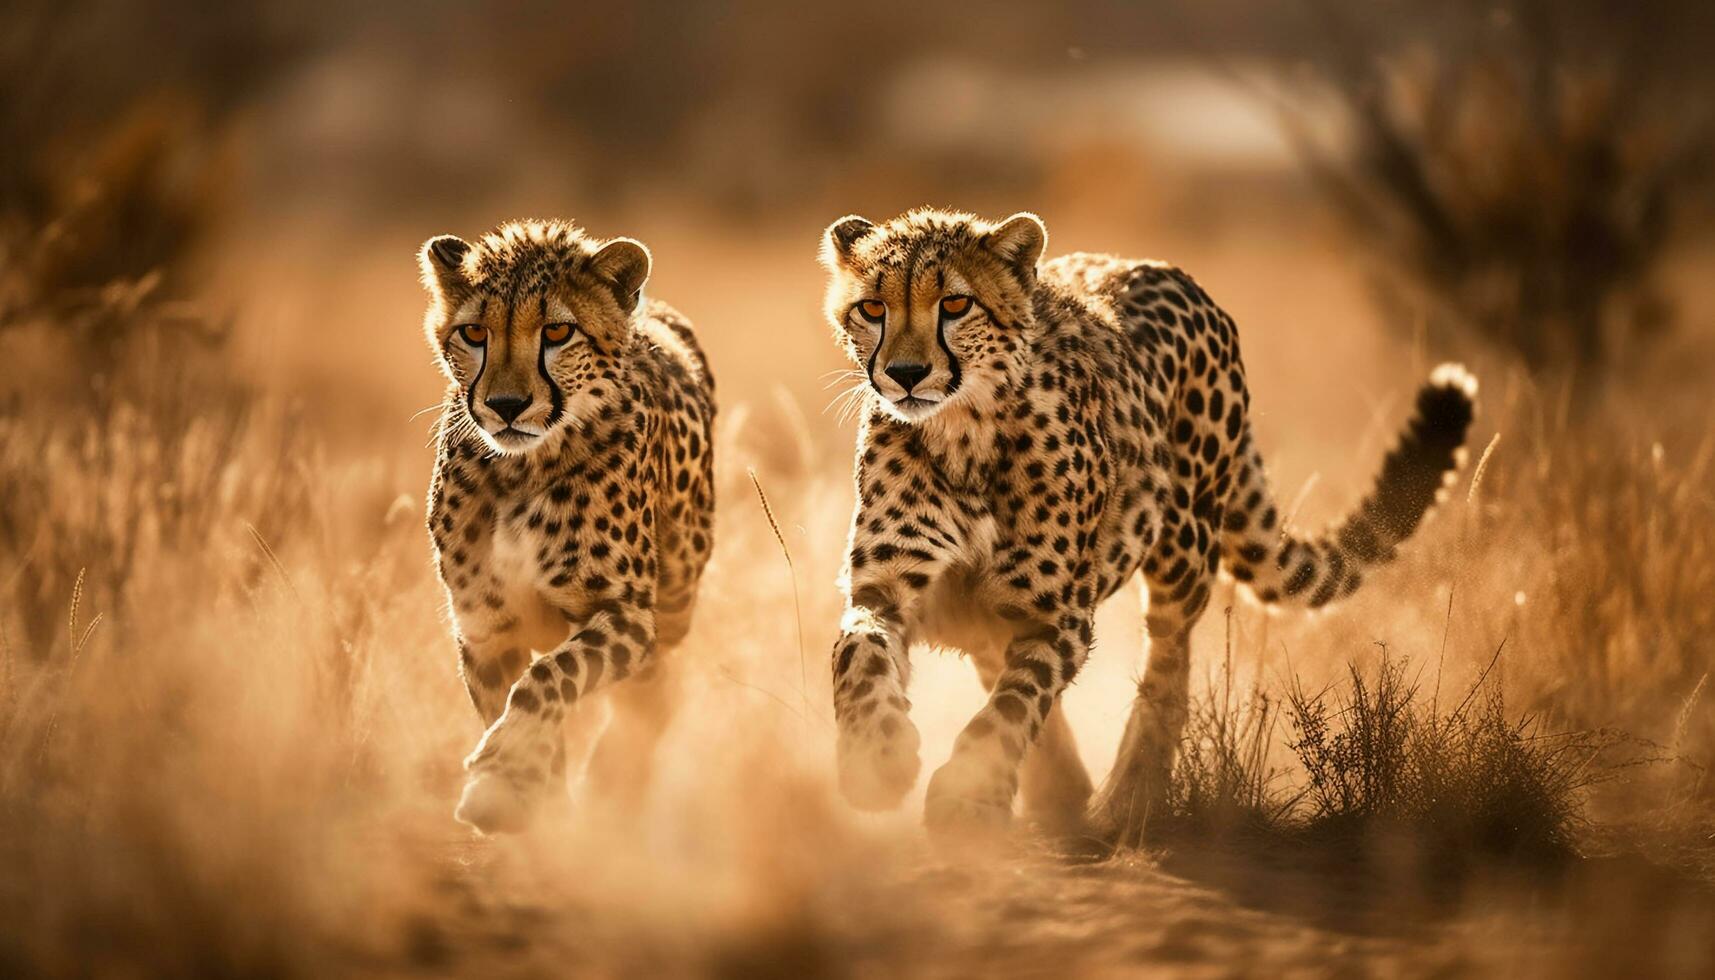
(508, 407)
(907, 374)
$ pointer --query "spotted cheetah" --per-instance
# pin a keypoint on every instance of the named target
(1035, 434)
(572, 498)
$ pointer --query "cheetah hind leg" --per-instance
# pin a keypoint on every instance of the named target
(622, 764)
(1136, 789)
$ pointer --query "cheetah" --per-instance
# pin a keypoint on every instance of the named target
(572, 500)
(1036, 433)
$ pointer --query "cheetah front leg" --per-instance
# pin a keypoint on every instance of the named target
(493, 652)
(1053, 782)
(523, 754)
(904, 537)
(876, 750)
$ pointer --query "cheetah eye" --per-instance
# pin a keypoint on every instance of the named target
(557, 333)
(955, 306)
(872, 310)
(474, 334)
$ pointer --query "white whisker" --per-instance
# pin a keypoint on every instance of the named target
(424, 411)
(834, 377)
(845, 403)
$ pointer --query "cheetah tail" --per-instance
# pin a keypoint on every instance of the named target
(1282, 567)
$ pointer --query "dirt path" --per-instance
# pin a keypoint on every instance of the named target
(1183, 913)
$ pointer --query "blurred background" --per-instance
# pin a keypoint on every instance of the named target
(229, 714)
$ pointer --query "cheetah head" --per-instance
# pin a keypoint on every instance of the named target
(930, 304)
(532, 323)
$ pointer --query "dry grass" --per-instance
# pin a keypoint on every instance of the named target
(1373, 767)
(1461, 788)
(1226, 783)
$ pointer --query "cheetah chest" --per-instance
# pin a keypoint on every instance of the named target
(560, 561)
(956, 613)
(516, 571)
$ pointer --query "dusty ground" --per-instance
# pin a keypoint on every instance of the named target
(889, 907)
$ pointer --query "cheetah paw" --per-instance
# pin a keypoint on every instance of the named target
(1121, 813)
(877, 771)
(965, 810)
(492, 805)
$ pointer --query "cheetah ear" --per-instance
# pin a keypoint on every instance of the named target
(624, 263)
(442, 261)
(1019, 241)
(840, 238)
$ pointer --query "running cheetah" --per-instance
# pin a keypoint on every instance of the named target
(1036, 434)
(572, 499)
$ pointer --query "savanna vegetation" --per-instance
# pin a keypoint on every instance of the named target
(230, 722)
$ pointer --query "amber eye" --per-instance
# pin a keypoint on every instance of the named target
(872, 310)
(474, 334)
(557, 333)
(955, 305)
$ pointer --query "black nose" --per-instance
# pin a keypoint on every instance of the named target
(907, 374)
(508, 407)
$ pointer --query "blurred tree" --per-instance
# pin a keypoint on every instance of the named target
(111, 173)
(1520, 167)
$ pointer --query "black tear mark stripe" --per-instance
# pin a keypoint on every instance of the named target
(481, 364)
(957, 375)
(880, 338)
(952, 362)
(556, 401)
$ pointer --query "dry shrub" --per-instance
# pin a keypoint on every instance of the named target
(1522, 169)
(1379, 769)
(188, 722)
(1354, 747)
(1225, 782)
(1455, 787)
(124, 439)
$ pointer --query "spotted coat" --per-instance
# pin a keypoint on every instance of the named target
(582, 537)
(1077, 422)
